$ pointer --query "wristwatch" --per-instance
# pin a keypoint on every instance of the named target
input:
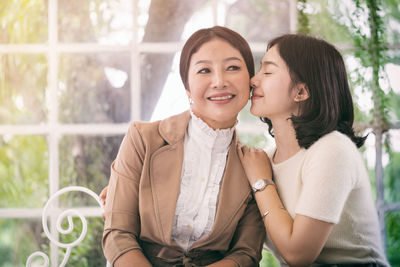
(261, 184)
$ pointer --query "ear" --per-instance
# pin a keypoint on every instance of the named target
(302, 93)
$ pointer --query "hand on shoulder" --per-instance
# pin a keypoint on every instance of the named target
(255, 163)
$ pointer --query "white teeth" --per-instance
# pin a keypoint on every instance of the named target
(221, 97)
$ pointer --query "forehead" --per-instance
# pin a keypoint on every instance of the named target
(272, 58)
(216, 48)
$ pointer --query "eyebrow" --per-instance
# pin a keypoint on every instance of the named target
(209, 61)
(266, 63)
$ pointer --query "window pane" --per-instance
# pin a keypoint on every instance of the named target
(393, 237)
(94, 88)
(19, 238)
(250, 18)
(93, 21)
(85, 161)
(163, 21)
(23, 21)
(23, 171)
(23, 85)
(163, 93)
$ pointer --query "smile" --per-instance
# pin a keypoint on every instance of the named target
(218, 98)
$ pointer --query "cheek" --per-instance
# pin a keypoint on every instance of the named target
(196, 89)
(243, 84)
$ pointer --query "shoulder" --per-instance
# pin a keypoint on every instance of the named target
(332, 145)
(334, 155)
(157, 133)
(144, 128)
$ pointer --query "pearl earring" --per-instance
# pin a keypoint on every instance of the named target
(190, 100)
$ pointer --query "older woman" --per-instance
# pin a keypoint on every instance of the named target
(178, 195)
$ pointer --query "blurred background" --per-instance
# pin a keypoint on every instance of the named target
(73, 74)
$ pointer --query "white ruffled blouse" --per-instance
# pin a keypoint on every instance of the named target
(204, 160)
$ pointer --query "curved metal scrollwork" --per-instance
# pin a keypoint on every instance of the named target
(69, 213)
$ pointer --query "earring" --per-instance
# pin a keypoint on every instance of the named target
(190, 101)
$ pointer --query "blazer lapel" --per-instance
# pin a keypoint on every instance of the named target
(165, 172)
(165, 177)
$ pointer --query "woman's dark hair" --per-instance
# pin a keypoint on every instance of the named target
(202, 36)
(318, 65)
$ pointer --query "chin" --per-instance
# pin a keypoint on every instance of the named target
(254, 112)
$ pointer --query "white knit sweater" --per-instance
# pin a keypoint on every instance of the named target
(329, 182)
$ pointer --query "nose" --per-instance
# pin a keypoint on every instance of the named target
(254, 81)
(218, 80)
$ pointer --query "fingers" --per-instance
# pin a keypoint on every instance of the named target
(103, 195)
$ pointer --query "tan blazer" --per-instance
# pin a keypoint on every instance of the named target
(144, 188)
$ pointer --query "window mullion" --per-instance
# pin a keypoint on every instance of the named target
(53, 120)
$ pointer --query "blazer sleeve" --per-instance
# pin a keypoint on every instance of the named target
(121, 215)
(248, 239)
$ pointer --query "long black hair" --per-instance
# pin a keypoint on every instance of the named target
(320, 66)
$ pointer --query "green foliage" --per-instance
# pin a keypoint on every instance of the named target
(85, 161)
(89, 252)
(23, 171)
(370, 49)
(322, 18)
(268, 260)
(391, 174)
(393, 237)
(18, 239)
(303, 24)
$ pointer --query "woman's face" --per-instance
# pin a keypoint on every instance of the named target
(273, 95)
(219, 83)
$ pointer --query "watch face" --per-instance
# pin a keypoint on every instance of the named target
(259, 184)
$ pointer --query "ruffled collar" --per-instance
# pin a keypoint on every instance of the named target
(218, 140)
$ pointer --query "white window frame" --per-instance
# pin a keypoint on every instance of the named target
(54, 130)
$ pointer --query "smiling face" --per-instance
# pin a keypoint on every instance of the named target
(219, 83)
(273, 93)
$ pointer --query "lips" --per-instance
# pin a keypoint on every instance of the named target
(220, 97)
(256, 96)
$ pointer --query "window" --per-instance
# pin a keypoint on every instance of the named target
(73, 75)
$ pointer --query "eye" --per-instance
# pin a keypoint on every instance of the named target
(267, 73)
(204, 71)
(233, 67)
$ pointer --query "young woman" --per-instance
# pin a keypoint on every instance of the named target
(302, 93)
(178, 195)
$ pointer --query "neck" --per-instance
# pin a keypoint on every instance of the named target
(285, 139)
(217, 125)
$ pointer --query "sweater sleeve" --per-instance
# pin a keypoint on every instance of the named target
(328, 176)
